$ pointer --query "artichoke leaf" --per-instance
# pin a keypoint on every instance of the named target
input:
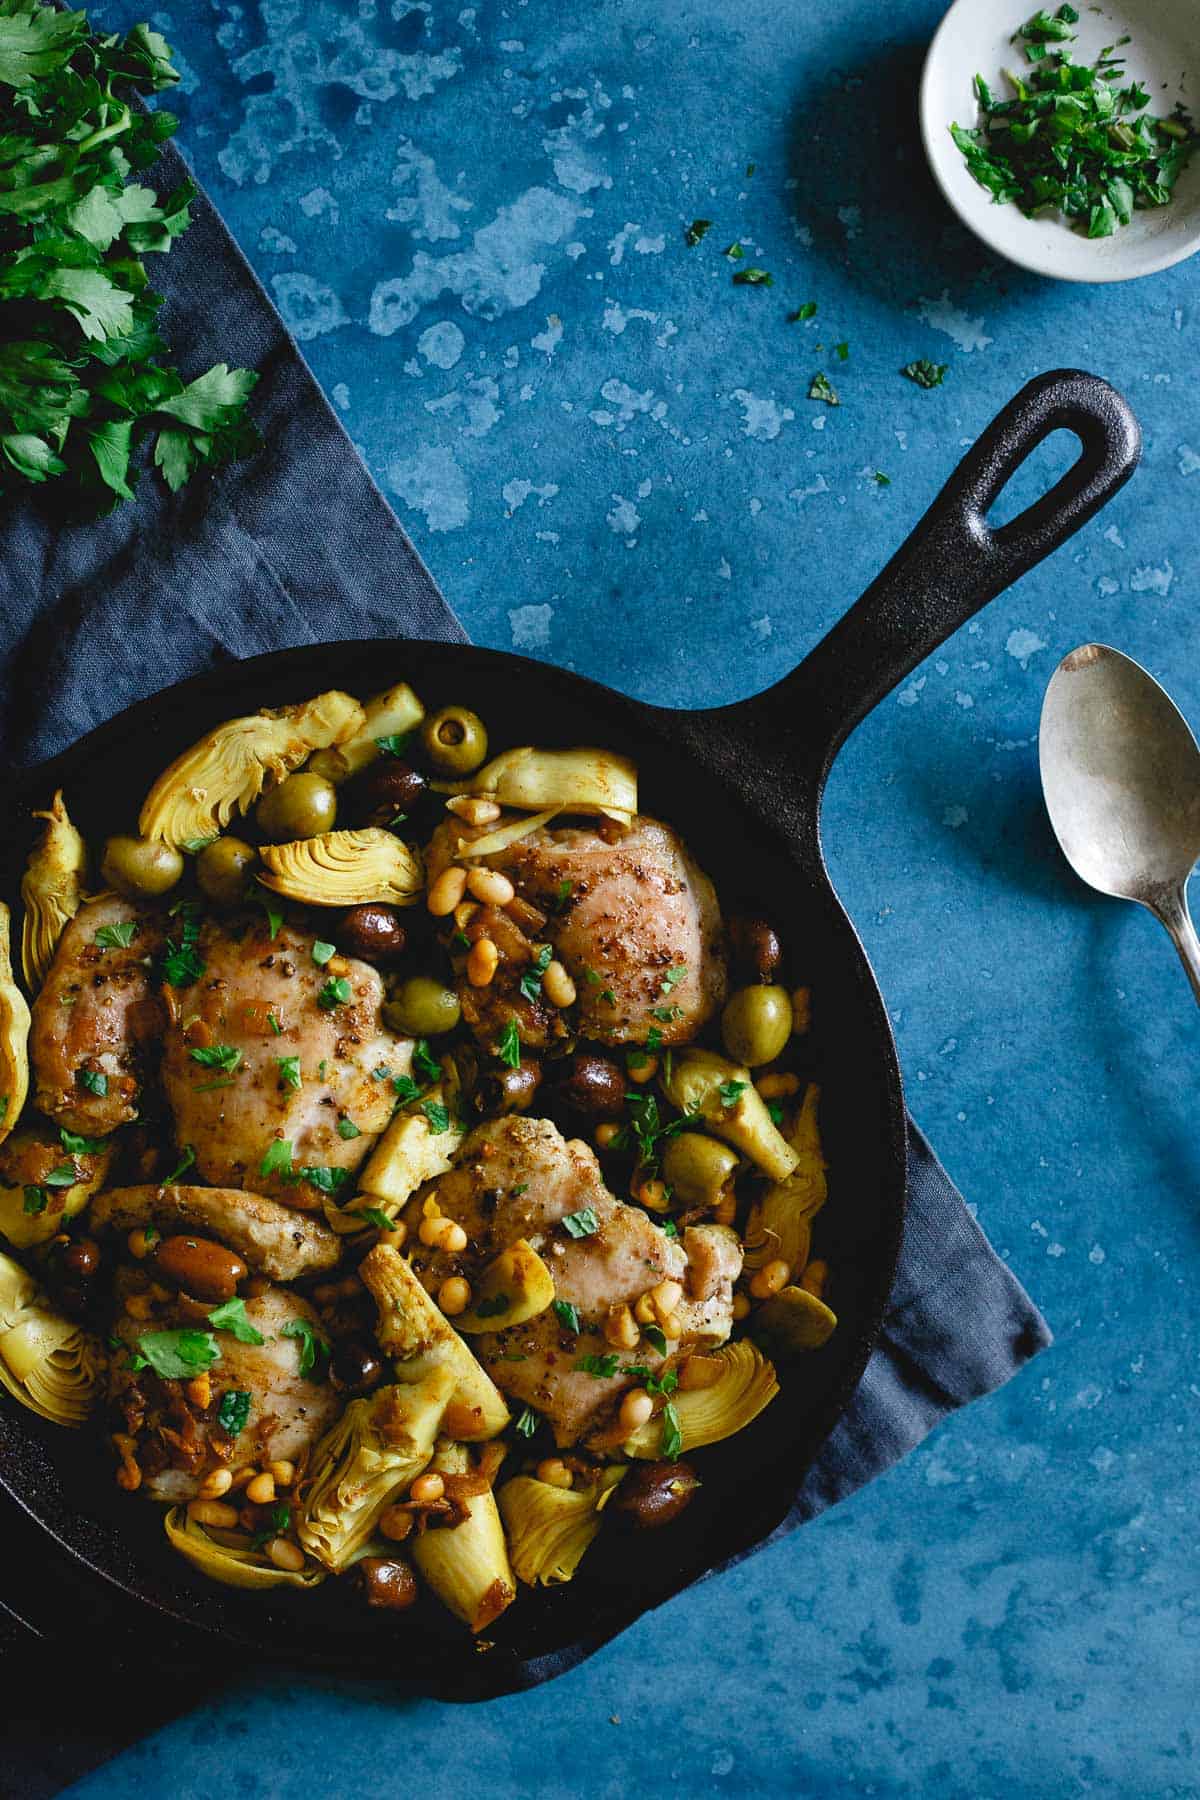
(414, 1331)
(707, 1086)
(580, 780)
(48, 1363)
(14, 1034)
(345, 868)
(550, 1528)
(370, 1456)
(780, 1223)
(226, 770)
(514, 1288)
(793, 1321)
(411, 1152)
(52, 890)
(745, 1385)
(467, 1566)
(223, 1559)
(392, 714)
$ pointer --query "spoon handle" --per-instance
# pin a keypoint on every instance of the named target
(1172, 909)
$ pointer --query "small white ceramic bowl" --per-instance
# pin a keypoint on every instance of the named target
(975, 37)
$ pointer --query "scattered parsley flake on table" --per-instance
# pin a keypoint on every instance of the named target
(926, 374)
(821, 388)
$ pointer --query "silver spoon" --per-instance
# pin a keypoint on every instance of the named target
(1121, 777)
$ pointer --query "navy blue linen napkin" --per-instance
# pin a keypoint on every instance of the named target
(298, 546)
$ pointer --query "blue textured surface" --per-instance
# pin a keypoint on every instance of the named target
(473, 221)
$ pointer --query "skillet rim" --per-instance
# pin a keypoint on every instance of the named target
(505, 1670)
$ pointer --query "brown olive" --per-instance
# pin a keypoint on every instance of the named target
(387, 1582)
(387, 789)
(81, 1259)
(302, 806)
(654, 1494)
(508, 1090)
(593, 1086)
(756, 945)
(140, 868)
(355, 1367)
(373, 933)
(455, 740)
(200, 1266)
(223, 869)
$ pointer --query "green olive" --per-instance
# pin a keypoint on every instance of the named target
(421, 1007)
(302, 806)
(455, 740)
(756, 1024)
(697, 1168)
(140, 868)
(222, 869)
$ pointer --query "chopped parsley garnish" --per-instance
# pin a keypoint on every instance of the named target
(567, 1315)
(842, 351)
(672, 1434)
(92, 1081)
(661, 1384)
(234, 1410)
(672, 979)
(176, 1355)
(64, 1176)
(290, 1078)
(375, 1215)
(424, 1061)
(491, 1309)
(882, 480)
(562, 894)
(602, 1366)
(803, 313)
(437, 1114)
(698, 229)
(926, 374)
(509, 1047)
(328, 1181)
(36, 1199)
(591, 977)
(655, 1337)
(407, 1089)
(647, 1124)
(187, 1157)
(182, 963)
(278, 1159)
(733, 251)
(336, 992)
(731, 1092)
(274, 914)
(527, 1422)
(522, 1187)
(395, 743)
(608, 997)
(668, 1014)
(321, 952)
(753, 278)
(276, 1027)
(312, 1344)
(75, 1145)
(821, 388)
(206, 1087)
(776, 1112)
(669, 1228)
(348, 1129)
(117, 936)
(581, 1224)
(1074, 138)
(231, 1316)
(531, 980)
(217, 1056)
(193, 846)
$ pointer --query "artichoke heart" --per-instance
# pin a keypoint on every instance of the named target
(52, 890)
(345, 868)
(413, 1330)
(467, 1566)
(14, 1035)
(31, 1213)
(47, 1363)
(744, 1387)
(226, 771)
(780, 1224)
(793, 1321)
(227, 1557)
(578, 781)
(549, 1528)
(387, 716)
(411, 1152)
(514, 1288)
(710, 1087)
(378, 1446)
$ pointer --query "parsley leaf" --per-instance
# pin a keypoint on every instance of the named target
(509, 1047)
(655, 1337)
(234, 1410)
(602, 1366)
(395, 743)
(698, 229)
(567, 1315)
(407, 1089)
(424, 1061)
(731, 1092)
(321, 952)
(231, 1316)
(672, 1434)
(290, 1078)
(75, 1145)
(181, 962)
(672, 979)
(217, 1056)
(752, 278)
(327, 1180)
(92, 1081)
(117, 936)
(178, 1355)
(437, 1114)
(336, 992)
(527, 1422)
(36, 1199)
(375, 1215)
(804, 313)
(531, 980)
(348, 1129)
(821, 388)
(581, 1224)
(312, 1344)
(926, 374)
(187, 1157)
(278, 1159)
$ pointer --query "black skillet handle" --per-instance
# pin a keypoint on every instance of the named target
(954, 562)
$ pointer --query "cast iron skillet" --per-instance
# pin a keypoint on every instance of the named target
(744, 784)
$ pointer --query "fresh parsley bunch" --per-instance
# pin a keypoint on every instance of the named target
(80, 376)
(1075, 137)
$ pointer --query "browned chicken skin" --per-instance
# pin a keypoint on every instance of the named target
(634, 920)
(518, 1178)
(272, 1239)
(97, 1019)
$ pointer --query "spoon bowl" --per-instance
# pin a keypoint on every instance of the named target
(1121, 778)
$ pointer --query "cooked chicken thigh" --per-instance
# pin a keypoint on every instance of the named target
(519, 1178)
(97, 1018)
(271, 1239)
(260, 1052)
(635, 921)
(177, 1440)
